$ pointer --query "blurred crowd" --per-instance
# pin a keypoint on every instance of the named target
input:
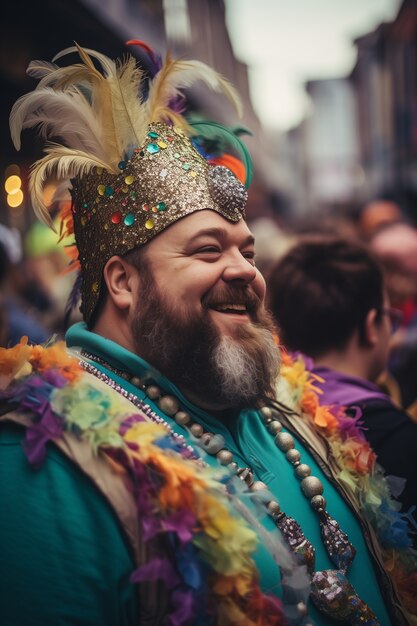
(34, 287)
(382, 229)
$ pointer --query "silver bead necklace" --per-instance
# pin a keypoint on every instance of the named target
(330, 590)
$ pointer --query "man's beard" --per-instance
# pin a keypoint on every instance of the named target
(224, 371)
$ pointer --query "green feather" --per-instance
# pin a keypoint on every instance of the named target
(217, 133)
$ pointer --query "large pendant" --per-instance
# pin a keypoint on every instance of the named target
(334, 596)
(336, 542)
(303, 550)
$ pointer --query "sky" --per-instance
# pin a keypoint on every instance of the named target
(287, 42)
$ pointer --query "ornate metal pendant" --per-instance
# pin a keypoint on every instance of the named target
(334, 596)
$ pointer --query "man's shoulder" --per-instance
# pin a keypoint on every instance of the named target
(386, 414)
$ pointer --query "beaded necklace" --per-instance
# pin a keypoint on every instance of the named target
(330, 590)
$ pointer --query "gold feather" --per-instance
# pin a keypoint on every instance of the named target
(176, 75)
(115, 96)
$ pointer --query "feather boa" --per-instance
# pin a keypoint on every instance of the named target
(359, 470)
(188, 498)
(213, 579)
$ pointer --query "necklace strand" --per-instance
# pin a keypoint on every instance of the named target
(330, 589)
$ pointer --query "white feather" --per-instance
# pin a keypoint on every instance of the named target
(60, 115)
(40, 69)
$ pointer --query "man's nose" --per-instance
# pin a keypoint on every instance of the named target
(238, 268)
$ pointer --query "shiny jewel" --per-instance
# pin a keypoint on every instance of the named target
(99, 170)
(226, 189)
(162, 144)
(133, 195)
(109, 191)
(154, 209)
(145, 206)
(149, 224)
(116, 218)
(163, 173)
(101, 189)
(333, 594)
(129, 219)
(178, 131)
(197, 430)
(94, 287)
(83, 220)
(311, 486)
(129, 180)
(125, 202)
(246, 475)
(211, 443)
(169, 405)
(161, 206)
(85, 205)
(122, 165)
(170, 138)
(153, 148)
(224, 457)
(125, 188)
(153, 135)
(193, 173)
(182, 418)
(177, 155)
(186, 166)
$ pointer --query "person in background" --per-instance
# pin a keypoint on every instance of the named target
(18, 316)
(328, 298)
(376, 214)
(162, 484)
(395, 246)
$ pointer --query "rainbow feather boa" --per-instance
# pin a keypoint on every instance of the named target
(359, 470)
(213, 579)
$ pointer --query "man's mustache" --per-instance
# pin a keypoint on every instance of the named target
(232, 295)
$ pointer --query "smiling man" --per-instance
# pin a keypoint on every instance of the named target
(161, 483)
(192, 303)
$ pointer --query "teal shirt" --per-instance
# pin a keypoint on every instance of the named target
(64, 559)
(253, 446)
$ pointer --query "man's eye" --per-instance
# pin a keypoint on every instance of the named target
(250, 256)
(208, 249)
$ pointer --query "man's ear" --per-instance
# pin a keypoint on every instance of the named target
(371, 327)
(121, 279)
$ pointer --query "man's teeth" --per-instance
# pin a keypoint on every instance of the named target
(241, 308)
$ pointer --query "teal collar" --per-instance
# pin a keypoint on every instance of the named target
(78, 337)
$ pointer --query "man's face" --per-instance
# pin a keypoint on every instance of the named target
(195, 261)
(200, 306)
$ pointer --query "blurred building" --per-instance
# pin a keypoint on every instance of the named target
(385, 82)
(192, 28)
(359, 138)
(323, 151)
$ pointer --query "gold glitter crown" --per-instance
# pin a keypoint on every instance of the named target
(133, 167)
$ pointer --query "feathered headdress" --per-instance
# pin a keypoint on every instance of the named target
(131, 163)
